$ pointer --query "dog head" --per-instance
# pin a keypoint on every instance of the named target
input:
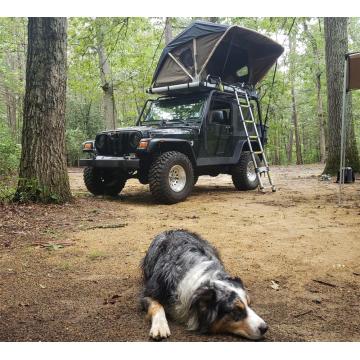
(224, 307)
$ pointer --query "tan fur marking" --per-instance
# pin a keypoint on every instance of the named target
(228, 325)
(154, 307)
(239, 304)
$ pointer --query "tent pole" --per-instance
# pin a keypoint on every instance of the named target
(195, 59)
(343, 132)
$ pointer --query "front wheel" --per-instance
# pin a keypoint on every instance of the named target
(243, 174)
(104, 181)
(171, 177)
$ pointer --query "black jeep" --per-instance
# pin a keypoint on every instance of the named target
(207, 75)
(176, 140)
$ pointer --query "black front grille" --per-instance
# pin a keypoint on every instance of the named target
(117, 143)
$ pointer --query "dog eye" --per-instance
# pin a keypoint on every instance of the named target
(238, 314)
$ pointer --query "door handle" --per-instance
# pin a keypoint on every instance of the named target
(229, 129)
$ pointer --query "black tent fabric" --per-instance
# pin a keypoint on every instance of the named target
(233, 53)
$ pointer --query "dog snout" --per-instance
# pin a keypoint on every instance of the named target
(263, 328)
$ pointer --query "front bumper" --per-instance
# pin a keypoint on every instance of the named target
(125, 163)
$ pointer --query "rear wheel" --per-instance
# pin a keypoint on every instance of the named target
(243, 174)
(171, 177)
(104, 181)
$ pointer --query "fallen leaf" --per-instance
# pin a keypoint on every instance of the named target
(23, 304)
(274, 285)
(42, 286)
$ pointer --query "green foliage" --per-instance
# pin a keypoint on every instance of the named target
(30, 190)
(74, 139)
(9, 152)
(133, 46)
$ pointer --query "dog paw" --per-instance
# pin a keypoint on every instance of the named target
(160, 331)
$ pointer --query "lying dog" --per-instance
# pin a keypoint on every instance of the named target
(185, 278)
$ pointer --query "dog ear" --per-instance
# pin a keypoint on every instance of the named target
(206, 297)
(204, 304)
(236, 280)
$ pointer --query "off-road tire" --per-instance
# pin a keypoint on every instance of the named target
(159, 177)
(104, 181)
(239, 173)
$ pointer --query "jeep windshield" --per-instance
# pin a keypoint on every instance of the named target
(186, 111)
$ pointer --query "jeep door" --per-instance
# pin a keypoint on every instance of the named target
(219, 129)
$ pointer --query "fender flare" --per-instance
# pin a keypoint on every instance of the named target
(182, 145)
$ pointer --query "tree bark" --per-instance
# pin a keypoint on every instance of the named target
(106, 79)
(317, 79)
(296, 127)
(336, 46)
(289, 146)
(168, 30)
(292, 46)
(43, 174)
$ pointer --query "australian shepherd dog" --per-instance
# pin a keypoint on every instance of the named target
(185, 279)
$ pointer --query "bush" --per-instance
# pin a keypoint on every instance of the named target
(74, 139)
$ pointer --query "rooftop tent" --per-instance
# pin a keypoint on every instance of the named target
(233, 53)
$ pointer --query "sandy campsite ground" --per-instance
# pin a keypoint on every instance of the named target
(71, 273)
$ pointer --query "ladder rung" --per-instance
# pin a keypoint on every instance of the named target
(258, 152)
(253, 137)
(244, 106)
(262, 169)
(249, 121)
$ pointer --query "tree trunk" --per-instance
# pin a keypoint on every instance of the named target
(292, 47)
(321, 120)
(336, 46)
(276, 160)
(289, 147)
(43, 174)
(106, 79)
(317, 80)
(296, 127)
(168, 31)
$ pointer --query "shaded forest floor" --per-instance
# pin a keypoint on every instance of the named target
(72, 272)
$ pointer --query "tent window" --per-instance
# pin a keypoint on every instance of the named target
(244, 71)
(186, 58)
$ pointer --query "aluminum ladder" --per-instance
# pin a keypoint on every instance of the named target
(258, 169)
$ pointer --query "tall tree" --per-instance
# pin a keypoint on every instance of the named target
(336, 46)
(294, 115)
(317, 72)
(168, 30)
(43, 174)
(105, 77)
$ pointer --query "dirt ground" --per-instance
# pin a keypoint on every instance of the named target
(71, 273)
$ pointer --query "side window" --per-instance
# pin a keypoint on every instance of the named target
(220, 113)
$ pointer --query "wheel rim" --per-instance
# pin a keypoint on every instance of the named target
(250, 172)
(177, 178)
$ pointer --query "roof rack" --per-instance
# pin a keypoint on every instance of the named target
(203, 85)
